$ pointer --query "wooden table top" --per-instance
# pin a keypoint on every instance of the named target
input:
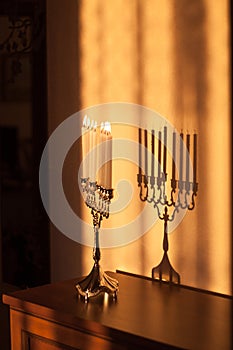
(145, 311)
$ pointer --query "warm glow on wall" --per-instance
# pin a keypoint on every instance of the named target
(175, 60)
(107, 48)
(172, 57)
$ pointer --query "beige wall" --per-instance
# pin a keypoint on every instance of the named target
(178, 65)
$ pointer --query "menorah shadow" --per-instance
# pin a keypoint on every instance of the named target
(155, 194)
(153, 190)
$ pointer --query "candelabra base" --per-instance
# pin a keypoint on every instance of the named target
(97, 282)
(165, 272)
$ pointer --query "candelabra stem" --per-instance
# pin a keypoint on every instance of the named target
(97, 281)
(96, 249)
(97, 218)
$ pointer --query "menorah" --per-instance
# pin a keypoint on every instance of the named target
(97, 198)
(153, 189)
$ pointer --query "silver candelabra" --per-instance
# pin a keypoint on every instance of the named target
(98, 199)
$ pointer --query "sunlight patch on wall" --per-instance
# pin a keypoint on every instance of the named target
(107, 48)
(175, 60)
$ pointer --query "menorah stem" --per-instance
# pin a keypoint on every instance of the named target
(96, 248)
(97, 281)
(97, 218)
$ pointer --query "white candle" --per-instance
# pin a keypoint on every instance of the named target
(91, 168)
(108, 174)
(105, 155)
(95, 151)
(85, 147)
(101, 156)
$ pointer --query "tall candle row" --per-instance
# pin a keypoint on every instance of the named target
(97, 152)
(181, 154)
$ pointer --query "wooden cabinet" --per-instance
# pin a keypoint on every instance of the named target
(146, 315)
(33, 332)
(5, 317)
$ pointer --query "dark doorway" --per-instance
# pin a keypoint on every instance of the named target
(24, 231)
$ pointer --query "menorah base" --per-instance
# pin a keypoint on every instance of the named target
(97, 282)
(165, 272)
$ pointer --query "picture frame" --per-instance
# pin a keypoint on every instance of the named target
(15, 77)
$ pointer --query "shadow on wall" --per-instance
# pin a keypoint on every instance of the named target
(191, 88)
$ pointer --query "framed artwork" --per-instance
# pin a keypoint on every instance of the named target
(15, 77)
